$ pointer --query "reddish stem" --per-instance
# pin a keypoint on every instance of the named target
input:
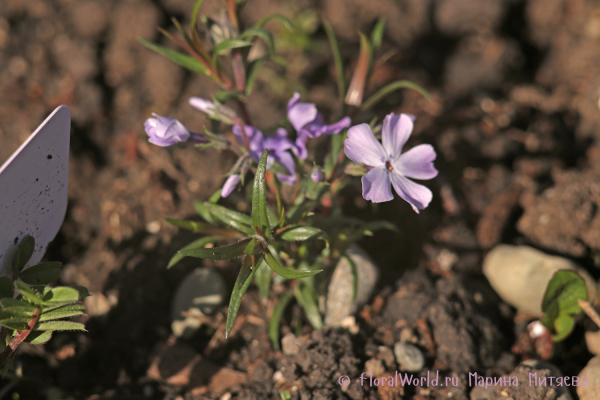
(19, 338)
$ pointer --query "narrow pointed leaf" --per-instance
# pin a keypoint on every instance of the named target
(259, 197)
(301, 233)
(195, 15)
(263, 279)
(263, 34)
(203, 210)
(196, 244)
(391, 87)
(24, 253)
(233, 219)
(231, 44)
(38, 337)
(284, 20)
(377, 35)
(306, 298)
(182, 59)
(356, 89)
(242, 283)
(251, 75)
(337, 59)
(219, 253)
(275, 321)
(41, 274)
(287, 273)
(59, 326)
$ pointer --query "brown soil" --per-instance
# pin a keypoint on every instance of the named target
(515, 122)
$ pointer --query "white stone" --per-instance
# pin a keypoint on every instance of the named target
(520, 275)
(339, 304)
(33, 189)
(592, 374)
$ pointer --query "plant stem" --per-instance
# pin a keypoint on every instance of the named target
(18, 339)
(589, 310)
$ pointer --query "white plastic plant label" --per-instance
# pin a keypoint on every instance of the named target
(33, 189)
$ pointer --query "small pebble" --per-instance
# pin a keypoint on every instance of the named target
(592, 374)
(409, 357)
(376, 366)
(290, 344)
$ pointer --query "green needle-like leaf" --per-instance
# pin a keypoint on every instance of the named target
(41, 274)
(195, 15)
(391, 87)
(284, 20)
(301, 233)
(196, 244)
(259, 197)
(230, 44)
(287, 273)
(337, 59)
(263, 34)
(239, 289)
(377, 35)
(251, 74)
(306, 298)
(219, 253)
(182, 59)
(275, 321)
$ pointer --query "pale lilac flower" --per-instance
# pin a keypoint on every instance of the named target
(309, 123)
(277, 145)
(215, 111)
(316, 176)
(229, 185)
(391, 167)
(165, 131)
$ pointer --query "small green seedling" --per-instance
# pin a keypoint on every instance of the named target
(561, 303)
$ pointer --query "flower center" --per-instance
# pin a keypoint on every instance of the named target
(388, 166)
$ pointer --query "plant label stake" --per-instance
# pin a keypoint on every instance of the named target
(33, 189)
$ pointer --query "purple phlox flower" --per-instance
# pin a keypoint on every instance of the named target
(230, 184)
(309, 123)
(277, 145)
(166, 131)
(389, 164)
(215, 111)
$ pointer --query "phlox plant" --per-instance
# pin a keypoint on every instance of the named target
(296, 228)
(30, 310)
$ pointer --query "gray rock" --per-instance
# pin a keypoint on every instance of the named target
(199, 294)
(520, 275)
(592, 374)
(339, 304)
(409, 357)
